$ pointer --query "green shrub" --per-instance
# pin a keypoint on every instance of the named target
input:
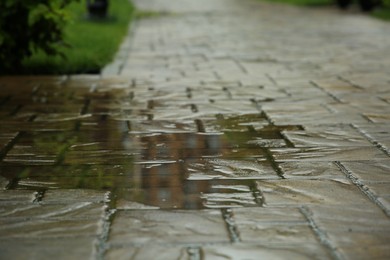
(30, 25)
(93, 42)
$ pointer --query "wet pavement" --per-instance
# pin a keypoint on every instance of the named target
(224, 129)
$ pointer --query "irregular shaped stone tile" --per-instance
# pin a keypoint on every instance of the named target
(229, 169)
(229, 200)
(315, 118)
(147, 252)
(378, 118)
(70, 211)
(45, 228)
(380, 189)
(150, 227)
(16, 197)
(311, 170)
(74, 195)
(132, 205)
(335, 136)
(175, 192)
(318, 154)
(253, 251)
(371, 251)
(302, 192)
(356, 226)
(370, 171)
(350, 217)
(272, 226)
(47, 248)
(378, 133)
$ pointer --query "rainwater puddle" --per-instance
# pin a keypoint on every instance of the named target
(159, 164)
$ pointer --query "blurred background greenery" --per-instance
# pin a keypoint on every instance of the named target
(92, 42)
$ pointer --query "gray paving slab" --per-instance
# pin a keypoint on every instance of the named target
(167, 227)
(223, 129)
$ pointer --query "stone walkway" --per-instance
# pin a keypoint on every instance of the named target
(225, 129)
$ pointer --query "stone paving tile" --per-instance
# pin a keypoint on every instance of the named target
(273, 226)
(47, 248)
(74, 195)
(380, 189)
(378, 117)
(229, 169)
(320, 154)
(311, 170)
(15, 197)
(261, 251)
(312, 117)
(377, 133)
(148, 252)
(48, 228)
(73, 211)
(301, 192)
(181, 227)
(365, 229)
(372, 171)
(176, 192)
(327, 136)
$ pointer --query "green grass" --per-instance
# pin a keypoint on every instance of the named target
(93, 42)
(382, 13)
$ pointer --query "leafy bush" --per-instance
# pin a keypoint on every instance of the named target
(30, 25)
(93, 42)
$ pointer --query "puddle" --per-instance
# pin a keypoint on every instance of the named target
(158, 164)
(236, 123)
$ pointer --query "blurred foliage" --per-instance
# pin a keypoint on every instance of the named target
(93, 42)
(30, 25)
(386, 3)
(384, 11)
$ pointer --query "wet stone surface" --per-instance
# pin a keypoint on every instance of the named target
(251, 135)
(144, 227)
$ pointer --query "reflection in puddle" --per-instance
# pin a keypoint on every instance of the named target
(165, 169)
(169, 168)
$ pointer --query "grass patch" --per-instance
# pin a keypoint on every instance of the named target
(93, 42)
(382, 13)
